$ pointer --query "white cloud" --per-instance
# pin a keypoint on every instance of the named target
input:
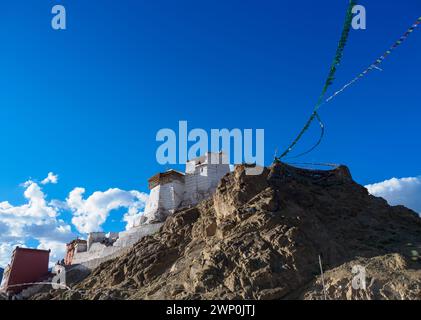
(35, 219)
(6, 250)
(91, 213)
(39, 219)
(51, 178)
(58, 250)
(135, 211)
(404, 191)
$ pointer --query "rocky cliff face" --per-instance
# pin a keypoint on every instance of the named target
(260, 238)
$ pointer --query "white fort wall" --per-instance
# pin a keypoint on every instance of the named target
(171, 195)
(99, 253)
(164, 199)
(203, 175)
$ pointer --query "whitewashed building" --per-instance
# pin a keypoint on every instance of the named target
(166, 195)
(172, 189)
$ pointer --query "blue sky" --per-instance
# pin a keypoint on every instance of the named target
(86, 102)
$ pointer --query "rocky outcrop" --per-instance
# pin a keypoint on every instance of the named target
(260, 238)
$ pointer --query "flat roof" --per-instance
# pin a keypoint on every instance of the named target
(31, 249)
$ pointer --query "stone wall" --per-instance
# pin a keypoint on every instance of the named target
(203, 180)
(163, 200)
(95, 237)
(99, 253)
(130, 237)
(108, 255)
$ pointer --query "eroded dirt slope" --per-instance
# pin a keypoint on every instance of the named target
(260, 238)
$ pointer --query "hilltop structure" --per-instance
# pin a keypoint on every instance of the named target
(172, 189)
(169, 191)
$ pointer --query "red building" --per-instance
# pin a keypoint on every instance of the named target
(26, 266)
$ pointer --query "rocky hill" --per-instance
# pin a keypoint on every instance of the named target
(260, 238)
(1, 274)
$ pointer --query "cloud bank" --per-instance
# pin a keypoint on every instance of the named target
(404, 191)
(35, 220)
(39, 220)
(89, 214)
